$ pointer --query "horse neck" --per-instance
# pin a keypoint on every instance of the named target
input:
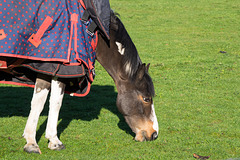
(108, 58)
(119, 56)
(112, 61)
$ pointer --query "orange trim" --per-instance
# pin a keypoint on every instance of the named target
(74, 18)
(32, 86)
(35, 39)
(94, 41)
(2, 34)
(34, 58)
(46, 23)
(74, 21)
(32, 40)
(16, 83)
(82, 3)
(90, 64)
(66, 62)
(91, 73)
(81, 95)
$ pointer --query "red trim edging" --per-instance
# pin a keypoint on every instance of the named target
(17, 84)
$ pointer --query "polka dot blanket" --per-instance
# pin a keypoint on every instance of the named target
(46, 30)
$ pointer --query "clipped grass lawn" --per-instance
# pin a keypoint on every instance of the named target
(197, 87)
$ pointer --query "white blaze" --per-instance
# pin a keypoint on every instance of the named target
(121, 49)
(153, 118)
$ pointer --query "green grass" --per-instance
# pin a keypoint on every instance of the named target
(197, 90)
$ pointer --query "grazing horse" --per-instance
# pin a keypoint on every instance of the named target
(120, 59)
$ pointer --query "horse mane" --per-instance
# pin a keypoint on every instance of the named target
(131, 60)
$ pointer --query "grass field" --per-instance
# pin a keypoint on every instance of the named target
(194, 51)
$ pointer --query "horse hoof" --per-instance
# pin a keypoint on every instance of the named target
(56, 147)
(32, 148)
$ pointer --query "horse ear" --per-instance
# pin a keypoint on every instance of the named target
(141, 71)
(147, 68)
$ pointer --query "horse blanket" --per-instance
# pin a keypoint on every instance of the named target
(51, 37)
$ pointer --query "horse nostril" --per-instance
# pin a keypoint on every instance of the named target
(154, 136)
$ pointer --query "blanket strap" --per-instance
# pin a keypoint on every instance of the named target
(74, 21)
(35, 39)
(85, 17)
(92, 27)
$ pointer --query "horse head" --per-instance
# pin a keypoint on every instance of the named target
(135, 102)
(134, 84)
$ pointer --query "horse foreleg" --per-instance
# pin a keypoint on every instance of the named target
(40, 93)
(57, 93)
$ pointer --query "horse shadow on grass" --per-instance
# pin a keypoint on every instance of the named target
(15, 101)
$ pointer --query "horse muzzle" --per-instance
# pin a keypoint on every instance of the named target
(143, 136)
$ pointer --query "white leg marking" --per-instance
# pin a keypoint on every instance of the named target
(37, 104)
(121, 49)
(153, 118)
(57, 93)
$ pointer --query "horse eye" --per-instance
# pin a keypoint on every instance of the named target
(146, 99)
